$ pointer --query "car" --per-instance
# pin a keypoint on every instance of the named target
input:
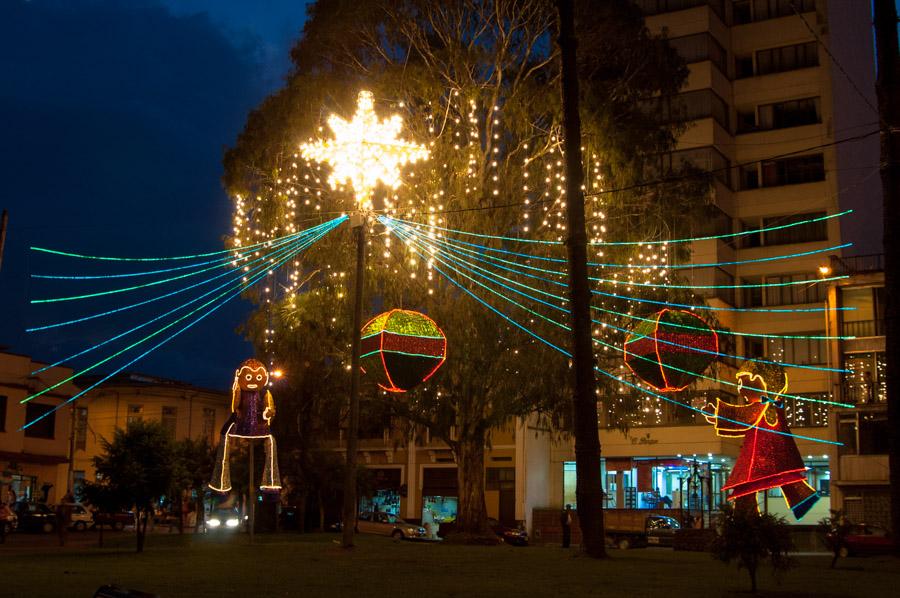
(228, 518)
(8, 519)
(117, 520)
(514, 536)
(386, 524)
(863, 540)
(35, 517)
(81, 518)
(661, 530)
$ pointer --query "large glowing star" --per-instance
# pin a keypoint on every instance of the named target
(769, 457)
(364, 150)
(402, 348)
(670, 348)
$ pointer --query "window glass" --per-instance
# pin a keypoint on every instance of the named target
(44, 419)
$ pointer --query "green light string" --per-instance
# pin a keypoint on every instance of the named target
(479, 257)
(159, 259)
(596, 340)
(296, 244)
(785, 256)
(262, 271)
(226, 260)
(154, 299)
(608, 374)
(131, 288)
(621, 243)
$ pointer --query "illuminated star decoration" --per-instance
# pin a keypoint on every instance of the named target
(364, 150)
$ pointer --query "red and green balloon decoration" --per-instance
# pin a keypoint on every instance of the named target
(401, 349)
(670, 348)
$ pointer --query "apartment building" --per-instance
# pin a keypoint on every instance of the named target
(860, 479)
(789, 137)
(34, 462)
(184, 410)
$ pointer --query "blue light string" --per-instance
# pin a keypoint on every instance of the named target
(489, 259)
(164, 341)
(269, 258)
(241, 255)
(598, 341)
(309, 231)
(613, 376)
(469, 266)
(626, 243)
(155, 259)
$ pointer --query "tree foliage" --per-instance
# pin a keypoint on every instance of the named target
(478, 82)
(751, 539)
(136, 468)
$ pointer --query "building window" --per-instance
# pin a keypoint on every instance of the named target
(81, 424)
(863, 433)
(865, 381)
(801, 351)
(793, 113)
(170, 420)
(209, 424)
(807, 414)
(655, 7)
(787, 58)
(792, 294)
(3, 401)
(135, 413)
(500, 478)
(866, 316)
(688, 106)
(44, 418)
(700, 47)
(787, 171)
(706, 159)
(772, 9)
(801, 233)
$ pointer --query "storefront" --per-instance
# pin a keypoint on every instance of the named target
(440, 495)
(387, 491)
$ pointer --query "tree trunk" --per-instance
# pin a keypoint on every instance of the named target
(99, 535)
(752, 572)
(471, 517)
(141, 529)
(888, 88)
(588, 485)
(321, 511)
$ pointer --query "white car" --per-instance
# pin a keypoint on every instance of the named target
(223, 519)
(386, 524)
(81, 517)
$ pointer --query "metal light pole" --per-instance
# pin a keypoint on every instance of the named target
(363, 152)
(349, 512)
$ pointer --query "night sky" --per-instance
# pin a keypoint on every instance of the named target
(115, 115)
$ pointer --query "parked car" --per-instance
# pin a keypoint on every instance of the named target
(8, 519)
(81, 518)
(863, 540)
(634, 528)
(223, 519)
(35, 517)
(117, 520)
(511, 535)
(386, 524)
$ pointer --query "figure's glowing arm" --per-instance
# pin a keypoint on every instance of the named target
(269, 411)
(728, 416)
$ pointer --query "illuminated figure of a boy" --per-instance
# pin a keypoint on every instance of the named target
(769, 457)
(252, 410)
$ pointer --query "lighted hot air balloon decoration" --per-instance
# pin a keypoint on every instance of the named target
(670, 348)
(401, 349)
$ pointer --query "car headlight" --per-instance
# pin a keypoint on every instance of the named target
(214, 523)
(233, 522)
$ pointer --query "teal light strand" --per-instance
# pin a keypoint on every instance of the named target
(296, 244)
(134, 305)
(604, 372)
(625, 243)
(483, 258)
(243, 286)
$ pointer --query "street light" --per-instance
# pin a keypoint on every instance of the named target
(363, 152)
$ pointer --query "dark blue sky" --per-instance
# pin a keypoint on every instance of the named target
(115, 115)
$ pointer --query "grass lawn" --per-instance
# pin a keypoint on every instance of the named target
(314, 565)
